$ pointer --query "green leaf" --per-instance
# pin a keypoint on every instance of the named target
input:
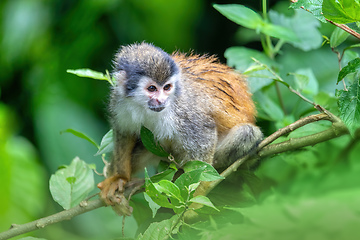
(204, 201)
(152, 205)
(312, 6)
(107, 143)
(338, 36)
(241, 15)
(192, 187)
(170, 189)
(280, 32)
(307, 35)
(195, 171)
(342, 11)
(248, 18)
(186, 179)
(241, 59)
(147, 138)
(70, 185)
(161, 230)
(352, 67)
(155, 194)
(353, 46)
(306, 82)
(268, 109)
(81, 135)
(328, 101)
(349, 106)
(168, 174)
(209, 173)
(85, 72)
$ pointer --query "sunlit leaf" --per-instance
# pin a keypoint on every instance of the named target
(204, 201)
(240, 14)
(70, 185)
(209, 173)
(85, 72)
(248, 18)
(343, 11)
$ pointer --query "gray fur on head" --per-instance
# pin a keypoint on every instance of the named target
(144, 59)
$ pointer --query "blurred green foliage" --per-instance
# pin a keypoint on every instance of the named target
(41, 39)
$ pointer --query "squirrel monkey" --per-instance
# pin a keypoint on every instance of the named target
(197, 108)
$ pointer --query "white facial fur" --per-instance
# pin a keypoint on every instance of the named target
(134, 112)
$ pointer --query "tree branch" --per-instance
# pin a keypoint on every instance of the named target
(83, 207)
(337, 129)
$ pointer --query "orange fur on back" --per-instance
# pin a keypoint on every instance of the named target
(231, 102)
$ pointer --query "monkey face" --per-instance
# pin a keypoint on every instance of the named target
(158, 96)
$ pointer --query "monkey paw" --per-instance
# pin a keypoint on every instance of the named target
(112, 193)
(112, 190)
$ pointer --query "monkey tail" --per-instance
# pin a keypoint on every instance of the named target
(241, 140)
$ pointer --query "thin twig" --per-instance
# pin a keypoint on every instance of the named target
(281, 101)
(292, 127)
(345, 28)
(340, 56)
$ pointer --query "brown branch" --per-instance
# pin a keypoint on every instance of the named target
(83, 207)
(337, 129)
(292, 127)
(345, 28)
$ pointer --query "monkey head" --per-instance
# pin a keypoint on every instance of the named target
(148, 75)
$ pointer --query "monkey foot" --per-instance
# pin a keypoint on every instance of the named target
(112, 193)
(112, 190)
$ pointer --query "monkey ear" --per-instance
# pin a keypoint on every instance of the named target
(120, 77)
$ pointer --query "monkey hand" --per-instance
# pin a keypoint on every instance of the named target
(112, 193)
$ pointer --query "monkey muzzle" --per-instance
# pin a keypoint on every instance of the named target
(155, 105)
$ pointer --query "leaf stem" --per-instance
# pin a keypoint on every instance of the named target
(280, 97)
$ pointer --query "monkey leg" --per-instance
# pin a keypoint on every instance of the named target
(238, 142)
(119, 172)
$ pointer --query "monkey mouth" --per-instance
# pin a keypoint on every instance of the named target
(156, 109)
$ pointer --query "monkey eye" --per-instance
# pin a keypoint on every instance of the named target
(167, 87)
(151, 88)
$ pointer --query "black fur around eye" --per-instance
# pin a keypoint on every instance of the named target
(167, 87)
(151, 88)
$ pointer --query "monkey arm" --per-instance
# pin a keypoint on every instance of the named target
(119, 172)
